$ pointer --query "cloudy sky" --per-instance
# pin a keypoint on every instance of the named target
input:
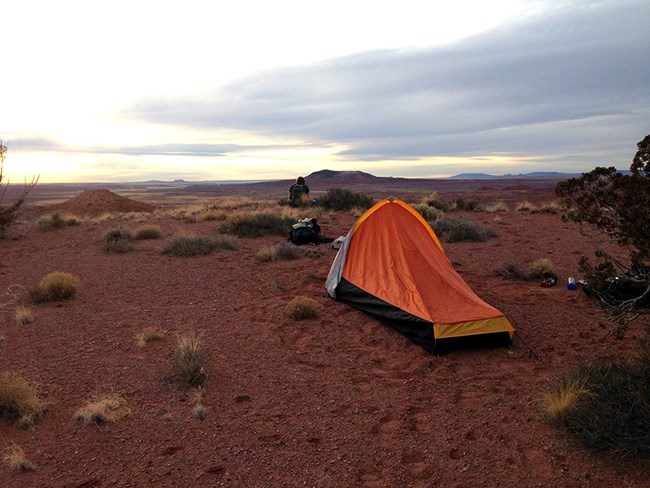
(137, 90)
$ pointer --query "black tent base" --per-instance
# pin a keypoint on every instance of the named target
(482, 341)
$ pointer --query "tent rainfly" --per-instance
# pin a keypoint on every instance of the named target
(393, 267)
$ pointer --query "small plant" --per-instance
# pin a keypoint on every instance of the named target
(302, 308)
(496, 207)
(189, 246)
(462, 204)
(57, 286)
(147, 231)
(510, 271)
(525, 207)
(189, 362)
(103, 409)
(16, 460)
(118, 240)
(462, 230)
(23, 315)
(56, 221)
(343, 199)
(198, 409)
(227, 242)
(19, 399)
(285, 251)
(266, 254)
(257, 224)
(429, 213)
(552, 208)
(212, 215)
(150, 334)
(541, 268)
(604, 404)
(436, 201)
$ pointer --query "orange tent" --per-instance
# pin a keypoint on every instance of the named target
(392, 266)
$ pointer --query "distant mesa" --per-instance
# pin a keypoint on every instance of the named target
(535, 174)
(328, 176)
(98, 202)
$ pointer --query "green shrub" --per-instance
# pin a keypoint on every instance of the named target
(19, 399)
(436, 201)
(604, 404)
(541, 268)
(428, 213)
(462, 230)
(147, 231)
(189, 246)
(462, 204)
(258, 224)
(57, 286)
(344, 199)
(302, 308)
(118, 240)
(56, 221)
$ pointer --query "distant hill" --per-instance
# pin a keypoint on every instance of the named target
(534, 174)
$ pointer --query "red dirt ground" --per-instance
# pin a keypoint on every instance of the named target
(332, 402)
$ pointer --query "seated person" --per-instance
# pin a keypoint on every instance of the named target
(299, 193)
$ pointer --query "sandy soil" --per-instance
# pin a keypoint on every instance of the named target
(337, 401)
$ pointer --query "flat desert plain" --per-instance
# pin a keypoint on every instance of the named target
(336, 401)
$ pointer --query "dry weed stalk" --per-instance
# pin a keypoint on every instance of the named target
(103, 409)
(16, 459)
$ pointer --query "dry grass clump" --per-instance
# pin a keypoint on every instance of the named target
(551, 207)
(56, 221)
(462, 230)
(16, 460)
(285, 251)
(103, 409)
(55, 286)
(189, 362)
(541, 268)
(117, 240)
(19, 399)
(23, 315)
(150, 334)
(604, 404)
(147, 231)
(496, 207)
(302, 308)
(189, 246)
(258, 224)
(510, 271)
(525, 207)
(227, 242)
(461, 204)
(266, 254)
(211, 215)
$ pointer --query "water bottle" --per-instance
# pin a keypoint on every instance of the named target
(571, 285)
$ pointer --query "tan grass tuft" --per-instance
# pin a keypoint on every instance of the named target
(267, 254)
(496, 207)
(19, 399)
(541, 268)
(103, 409)
(189, 362)
(16, 460)
(558, 403)
(302, 308)
(23, 315)
(147, 231)
(58, 286)
(150, 334)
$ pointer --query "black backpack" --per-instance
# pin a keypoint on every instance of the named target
(308, 233)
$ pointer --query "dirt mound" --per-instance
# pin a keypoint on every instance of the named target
(97, 202)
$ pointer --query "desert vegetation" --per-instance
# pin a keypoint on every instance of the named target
(303, 308)
(462, 230)
(150, 334)
(257, 225)
(188, 367)
(147, 231)
(103, 409)
(191, 245)
(56, 220)
(55, 286)
(118, 241)
(10, 208)
(19, 399)
(344, 199)
(16, 459)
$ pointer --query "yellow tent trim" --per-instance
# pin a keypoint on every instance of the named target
(475, 327)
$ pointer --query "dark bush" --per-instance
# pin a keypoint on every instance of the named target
(604, 404)
(189, 246)
(118, 240)
(344, 199)
(258, 224)
(462, 230)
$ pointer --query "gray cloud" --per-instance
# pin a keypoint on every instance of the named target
(572, 85)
